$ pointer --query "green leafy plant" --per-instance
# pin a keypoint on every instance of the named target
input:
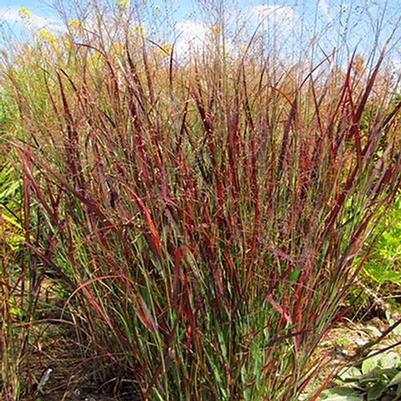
(392, 321)
(384, 263)
(377, 378)
(10, 201)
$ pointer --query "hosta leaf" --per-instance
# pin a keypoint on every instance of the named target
(386, 361)
(390, 360)
(391, 321)
(375, 392)
(398, 391)
(340, 394)
(349, 374)
(396, 380)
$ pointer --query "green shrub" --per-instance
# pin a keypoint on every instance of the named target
(384, 263)
(378, 378)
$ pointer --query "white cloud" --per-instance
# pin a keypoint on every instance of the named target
(279, 19)
(325, 8)
(278, 29)
(194, 35)
(36, 22)
(191, 37)
(395, 68)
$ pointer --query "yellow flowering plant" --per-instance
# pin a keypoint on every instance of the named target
(138, 30)
(24, 13)
(216, 29)
(44, 36)
(165, 50)
(122, 4)
(75, 27)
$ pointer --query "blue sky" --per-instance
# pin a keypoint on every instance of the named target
(37, 7)
(184, 9)
(330, 22)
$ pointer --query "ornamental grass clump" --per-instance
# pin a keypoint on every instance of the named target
(204, 217)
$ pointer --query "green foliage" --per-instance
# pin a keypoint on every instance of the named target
(390, 319)
(377, 378)
(384, 263)
(12, 237)
(10, 198)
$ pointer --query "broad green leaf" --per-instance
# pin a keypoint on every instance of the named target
(390, 360)
(372, 376)
(349, 374)
(391, 321)
(389, 374)
(375, 392)
(396, 380)
(340, 394)
(384, 361)
(398, 391)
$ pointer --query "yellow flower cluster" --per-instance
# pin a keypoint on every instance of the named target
(94, 59)
(45, 36)
(138, 34)
(24, 13)
(138, 30)
(216, 29)
(165, 50)
(118, 48)
(122, 4)
(75, 26)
